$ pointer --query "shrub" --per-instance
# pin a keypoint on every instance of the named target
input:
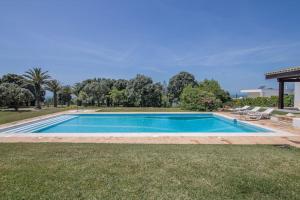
(264, 101)
(12, 95)
(214, 87)
(194, 98)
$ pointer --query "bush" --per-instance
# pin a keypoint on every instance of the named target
(12, 95)
(289, 100)
(264, 101)
(214, 87)
(194, 98)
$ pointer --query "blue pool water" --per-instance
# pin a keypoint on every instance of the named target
(132, 123)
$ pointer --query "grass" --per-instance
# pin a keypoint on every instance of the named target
(139, 109)
(11, 116)
(126, 171)
(277, 112)
(7, 116)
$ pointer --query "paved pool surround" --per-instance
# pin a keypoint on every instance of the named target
(279, 134)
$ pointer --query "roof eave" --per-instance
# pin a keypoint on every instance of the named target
(292, 74)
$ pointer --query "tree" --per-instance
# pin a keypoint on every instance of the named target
(134, 89)
(83, 97)
(152, 95)
(12, 95)
(65, 95)
(37, 78)
(214, 87)
(53, 86)
(118, 97)
(14, 78)
(165, 102)
(106, 86)
(120, 84)
(165, 88)
(141, 91)
(194, 98)
(97, 90)
(76, 89)
(22, 82)
(177, 83)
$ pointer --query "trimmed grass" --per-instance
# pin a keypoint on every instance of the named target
(276, 112)
(126, 171)
(7, 116)
(139, 109)
(11, 116)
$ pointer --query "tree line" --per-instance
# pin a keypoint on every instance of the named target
(182, 90)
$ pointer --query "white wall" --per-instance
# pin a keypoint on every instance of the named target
(270, 93)
(297, 95)
(253, 94)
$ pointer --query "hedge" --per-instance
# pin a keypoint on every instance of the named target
(264, 101)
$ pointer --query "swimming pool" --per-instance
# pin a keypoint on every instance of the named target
(139, 123)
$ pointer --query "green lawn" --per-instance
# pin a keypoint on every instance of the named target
(139, 109)
(276, 112)
(126, 171)
(11, 116)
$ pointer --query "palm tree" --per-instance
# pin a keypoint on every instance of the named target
(38, 79)
(76, 89)
(53, 86)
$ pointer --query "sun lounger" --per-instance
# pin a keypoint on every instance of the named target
(245, 112)
(239, 109)
(260, 115)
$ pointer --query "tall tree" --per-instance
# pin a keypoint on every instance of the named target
(177, 83)
(152, 95)
(38, 79)
(135, 88)
(53, 86)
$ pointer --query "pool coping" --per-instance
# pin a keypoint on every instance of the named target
(274, 133)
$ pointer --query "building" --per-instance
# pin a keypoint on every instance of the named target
(263, 92)
(291, 74)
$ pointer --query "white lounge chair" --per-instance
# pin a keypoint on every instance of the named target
(245, 112)
(234, 110)
(260, 115)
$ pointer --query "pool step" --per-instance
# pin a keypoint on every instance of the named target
(30, 128)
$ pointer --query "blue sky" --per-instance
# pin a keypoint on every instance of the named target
(234, 42)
